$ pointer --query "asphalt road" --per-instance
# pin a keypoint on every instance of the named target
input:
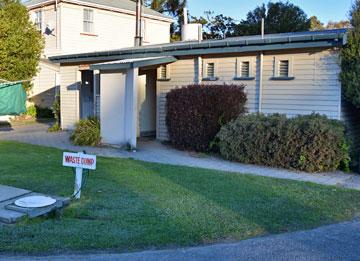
(333, 242)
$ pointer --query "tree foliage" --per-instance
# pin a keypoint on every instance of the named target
(20, 42)
(280, 17)
(316, 24)
(215, 26)
(174, 8)
(350, 60)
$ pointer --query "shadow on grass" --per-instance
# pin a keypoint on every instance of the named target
(129, 204)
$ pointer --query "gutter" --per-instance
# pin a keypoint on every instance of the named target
(224, 47)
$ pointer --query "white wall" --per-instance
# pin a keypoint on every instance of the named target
(49, 16)
(316, 87)
(111, 30)
(69, 96)
(112, 112)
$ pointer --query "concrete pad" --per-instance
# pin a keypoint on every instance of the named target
(9, 213)
(7, 192)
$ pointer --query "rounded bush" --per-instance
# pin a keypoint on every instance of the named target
(195, 113)
(87, 133)
(311, 143)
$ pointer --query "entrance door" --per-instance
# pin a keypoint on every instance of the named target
(87, 94)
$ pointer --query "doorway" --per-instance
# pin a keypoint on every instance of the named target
(87, 94)
(147, 103)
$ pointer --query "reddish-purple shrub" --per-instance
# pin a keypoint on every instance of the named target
(195, 113)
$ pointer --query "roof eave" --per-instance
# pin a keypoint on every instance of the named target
(103, 56)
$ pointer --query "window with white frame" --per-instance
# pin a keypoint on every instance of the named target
(284, 68)
(88, 21)
(164, 72)
(38, 20)
(210, 70)
(245, 69)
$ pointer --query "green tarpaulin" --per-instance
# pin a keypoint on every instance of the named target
(12, 99)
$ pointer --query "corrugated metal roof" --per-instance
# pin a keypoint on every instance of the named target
(121, 4)
(325, 38)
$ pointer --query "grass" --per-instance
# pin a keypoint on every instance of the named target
(131, 205)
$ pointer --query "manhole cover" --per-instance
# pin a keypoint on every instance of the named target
(35, 202)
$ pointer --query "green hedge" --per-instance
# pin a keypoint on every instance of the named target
(195, 113)
(87, 133)
(310, 143)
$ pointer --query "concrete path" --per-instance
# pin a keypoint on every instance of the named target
(334, 242)
(152, 151)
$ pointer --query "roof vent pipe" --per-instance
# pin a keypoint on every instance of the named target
(185, 16)
(262, 28)
(138, 33)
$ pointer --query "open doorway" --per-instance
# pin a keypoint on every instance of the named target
(87, 94)
(147, 103)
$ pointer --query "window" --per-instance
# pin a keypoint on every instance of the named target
(164, 73)
(245, 69)
(284, 68)
(210, 70)
(88, 21)
(38, 20)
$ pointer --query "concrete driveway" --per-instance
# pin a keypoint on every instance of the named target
(334, 242)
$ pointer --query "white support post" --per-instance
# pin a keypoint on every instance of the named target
(261, 71)
(78, 181)
(131, 106)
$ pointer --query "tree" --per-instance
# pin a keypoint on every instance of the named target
(337, 25)
(215, 26)
(174, 8)
(315, 24)
(279, 17)
(20, 43)
(350, 59)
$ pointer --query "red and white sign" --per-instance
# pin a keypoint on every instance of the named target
(79, 160)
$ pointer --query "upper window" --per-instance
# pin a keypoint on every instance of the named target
(245, 69)
(88, 21)
(284, 68)
(38, 20)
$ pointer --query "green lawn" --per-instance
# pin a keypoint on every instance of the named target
(130, 205)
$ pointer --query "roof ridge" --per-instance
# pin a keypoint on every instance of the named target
(127, 5)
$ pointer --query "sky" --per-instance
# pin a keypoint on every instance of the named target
(325, 10)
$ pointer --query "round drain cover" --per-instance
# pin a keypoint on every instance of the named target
(35, 202)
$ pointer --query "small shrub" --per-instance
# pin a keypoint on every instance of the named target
(31, 111)
(195, 113)
(56, 109)
(86, 133)
(38, 112)
(310, 143)
(54, 128)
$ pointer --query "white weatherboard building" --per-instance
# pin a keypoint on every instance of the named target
(74, 26)
(292, 73)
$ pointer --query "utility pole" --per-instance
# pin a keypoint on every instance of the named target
(138, 30)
